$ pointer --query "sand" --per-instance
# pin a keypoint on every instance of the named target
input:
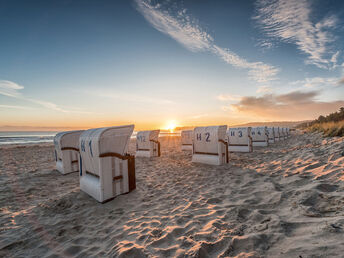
(286, 200)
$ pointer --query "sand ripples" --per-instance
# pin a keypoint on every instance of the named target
(285, 200)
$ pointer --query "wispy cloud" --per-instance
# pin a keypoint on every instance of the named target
(258, 71)
(12, 89)
(15, 107)
(181, 28)
(264, 89)
(228, 97)
(290, 21)
(185, 30)
(334, 58)
(294, 106)
(316, 82)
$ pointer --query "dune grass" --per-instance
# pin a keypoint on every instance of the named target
(330, 125)
(329, 129)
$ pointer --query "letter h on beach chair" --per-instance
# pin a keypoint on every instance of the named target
(259, 136)
(209, 145)
(147, 144)
(271, 134)
(106, 170)
(239, 139)
(67, 151)
(186, 138)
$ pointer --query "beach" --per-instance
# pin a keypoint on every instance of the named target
(285, 200)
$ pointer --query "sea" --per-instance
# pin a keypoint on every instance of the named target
(23, 138)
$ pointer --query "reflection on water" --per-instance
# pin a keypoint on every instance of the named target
(47, 137)
(26, 137)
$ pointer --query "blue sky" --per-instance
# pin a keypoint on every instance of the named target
(98, 63)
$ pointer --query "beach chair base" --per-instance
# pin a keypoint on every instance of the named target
(260, 144)
(122, 184)
(240, 148)
(207, 159)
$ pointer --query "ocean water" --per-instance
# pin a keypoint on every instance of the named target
(26, 137)
(43, 137)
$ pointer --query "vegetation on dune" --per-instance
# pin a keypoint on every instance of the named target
(330, 125)
(329, 128)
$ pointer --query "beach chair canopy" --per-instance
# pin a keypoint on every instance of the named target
(239, 136)
(271, 132)
(95, 143)
(144, 139)
(276, 131)
(259, 133)
(68, 140)
(206, 139)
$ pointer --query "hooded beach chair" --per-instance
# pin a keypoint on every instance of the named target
(186, 139)
(282, 132)
(106, 169)
(67, 151)
(147, 144)
(209, 145)
(271, 134)
(288, 132)
(259, 136)
(239, 139)
(277, 133)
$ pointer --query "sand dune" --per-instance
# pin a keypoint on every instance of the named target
(286, 200)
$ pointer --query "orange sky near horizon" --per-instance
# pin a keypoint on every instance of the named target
(43, 119)
(140, 124)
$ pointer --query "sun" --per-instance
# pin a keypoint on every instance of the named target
(171, 125)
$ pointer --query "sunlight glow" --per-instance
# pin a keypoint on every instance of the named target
(171, 125)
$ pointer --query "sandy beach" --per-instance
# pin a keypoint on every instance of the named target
(286, 200)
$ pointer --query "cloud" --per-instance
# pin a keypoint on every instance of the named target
(296, 105)
(48, 105)
(264, 44)
(258, 71)
(316, 82)
(264, 89)
(334, 58)
(296, 97)
(186, 31)
(12, 89)
(9, 88)
(14, 107)
(289, 21)
(181, 28)
(341, 81)
(228, 97)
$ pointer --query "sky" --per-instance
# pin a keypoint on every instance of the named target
(84, 64)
